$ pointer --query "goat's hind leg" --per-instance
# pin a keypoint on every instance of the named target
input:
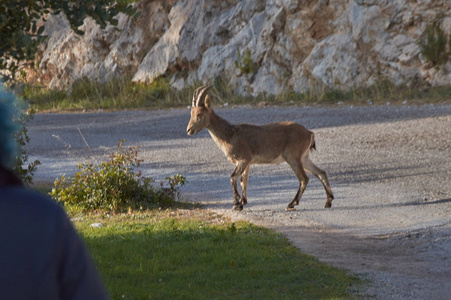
(321, 175)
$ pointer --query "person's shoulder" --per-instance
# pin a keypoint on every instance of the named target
(21, 198)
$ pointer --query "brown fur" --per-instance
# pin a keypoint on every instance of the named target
(245, 144)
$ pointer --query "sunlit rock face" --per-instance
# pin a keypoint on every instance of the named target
(256, 46)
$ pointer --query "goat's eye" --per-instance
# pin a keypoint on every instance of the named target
(198, 115)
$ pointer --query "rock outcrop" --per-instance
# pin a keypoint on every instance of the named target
(256, 46)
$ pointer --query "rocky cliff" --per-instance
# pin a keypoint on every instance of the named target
(257, 46)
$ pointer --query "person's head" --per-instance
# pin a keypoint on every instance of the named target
(8, 145)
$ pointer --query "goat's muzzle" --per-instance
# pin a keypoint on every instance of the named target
(190, 131)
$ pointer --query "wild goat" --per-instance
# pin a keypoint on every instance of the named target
(246, 144)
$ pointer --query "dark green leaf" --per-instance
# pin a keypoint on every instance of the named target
(41, 29)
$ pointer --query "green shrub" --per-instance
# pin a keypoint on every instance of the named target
(433, 45)
(115, 185)
(21, 115)
(22, 138)
(245, 63)
(223, 32)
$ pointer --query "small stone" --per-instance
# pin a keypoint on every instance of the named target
(263, 104)
(96, 225)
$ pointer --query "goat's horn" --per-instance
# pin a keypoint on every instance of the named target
(200, 93)
(196, 92)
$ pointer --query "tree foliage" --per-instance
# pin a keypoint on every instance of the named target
(22, 24)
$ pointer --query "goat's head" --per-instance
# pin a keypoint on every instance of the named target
(200, 111)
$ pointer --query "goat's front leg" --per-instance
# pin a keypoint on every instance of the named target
(298, 169)
(244, 180)
(241, 166)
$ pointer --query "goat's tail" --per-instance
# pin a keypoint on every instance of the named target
(312, 142)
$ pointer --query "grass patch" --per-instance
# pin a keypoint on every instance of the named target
(122, 93)
(382, 92)
(116, 93)
(196, 254)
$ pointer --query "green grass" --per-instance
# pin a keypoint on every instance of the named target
(194, 254)
(122, 93)
(117, 93)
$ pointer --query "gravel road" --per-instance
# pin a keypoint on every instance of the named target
(389, 168)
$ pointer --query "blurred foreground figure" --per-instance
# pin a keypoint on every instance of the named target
(41, 255)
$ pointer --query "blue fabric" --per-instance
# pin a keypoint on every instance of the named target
(41, 255)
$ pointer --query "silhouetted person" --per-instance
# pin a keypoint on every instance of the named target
(41, 255)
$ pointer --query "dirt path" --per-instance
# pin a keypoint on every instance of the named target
(389, 167)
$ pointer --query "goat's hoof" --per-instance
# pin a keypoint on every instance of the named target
(290, 208)
(328, 205)
(237, 207)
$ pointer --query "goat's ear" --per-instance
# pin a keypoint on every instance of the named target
(207, 102)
